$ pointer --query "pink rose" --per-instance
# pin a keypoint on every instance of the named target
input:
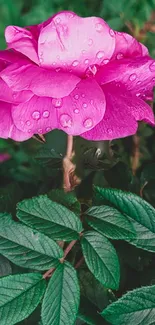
(74, 74)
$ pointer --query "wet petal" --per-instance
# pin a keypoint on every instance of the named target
(40, 81)
(137, 75)
(128, 46)
(21, 40)
(10, 96)
(71, 42)
(7, 128)
(74, 114)
(122, 111)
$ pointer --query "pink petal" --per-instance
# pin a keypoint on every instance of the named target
(122, 111)
(11, 56)
(7, 95)
(74, 114)
(7, 128)
(22, 41)
(137, 75)
(128, 46)
(40, 81)
(71, 42)
(4, 156)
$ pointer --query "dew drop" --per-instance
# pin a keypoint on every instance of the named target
(29, 131)
(65, 121)
(28, 123)
(47, 129)
(86, 61)
(84, 105)
(106, 61)
(91, 102)
(76, 96)
(132, 77)
(109, 131)
(90, 42)
(83, 95)
(88, 123)
(57, 20)
(57, 102)
(111, 32)
(100, 54)
(99, 27)
(36, 115)
(153, 79)
(75, 63)
(83, 52)
(138, 94)
(119, 56)
(40, 131)
(152, 66)
(76, 111)
(46, 114)
(58, 69)
(139, 82)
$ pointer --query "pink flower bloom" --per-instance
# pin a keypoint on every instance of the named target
(4, 157)
(74, 74)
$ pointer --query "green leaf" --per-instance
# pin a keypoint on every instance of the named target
(136, 307)
(139, 212)
(110, 222)
(61, 300)
(93, 290)
(26, 248)
(19, 296)
(5, 266)
(50, 218)
(69, 200)
(101, 259)
(88, 313)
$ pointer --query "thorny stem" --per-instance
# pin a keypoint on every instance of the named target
(70, 180)
(66, 252)
(79, 263)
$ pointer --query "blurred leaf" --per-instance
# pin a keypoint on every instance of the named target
(5, 266)
(69, 200)
(9, 196)
(88, 313)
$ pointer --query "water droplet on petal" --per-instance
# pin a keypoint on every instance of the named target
(46, 114)
(111, 32)
(76, 96)
(90, 42)
(40, 131)
(57, 102)
(119, 56)
(75, 63)
(91, 102)
(109, 131)
(57, 20)
(152, 66)
(83, 52)
(88, 123)
(29, 131)
(83, 95)
(100, 54)
(153, 79)
(58, 69)
(28, 123)
(105, 61)
(41, 60)
(76, 111)
(65, 121)
(139, 82)
(36, 115)
(84, 105)
(138, 94)
(99, 27)
(133, 77)
(47, 129)
(86, 61)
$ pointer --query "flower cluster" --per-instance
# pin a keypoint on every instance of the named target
(74, 74)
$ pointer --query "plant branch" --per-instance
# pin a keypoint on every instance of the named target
(66, 252)
(79, 263)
